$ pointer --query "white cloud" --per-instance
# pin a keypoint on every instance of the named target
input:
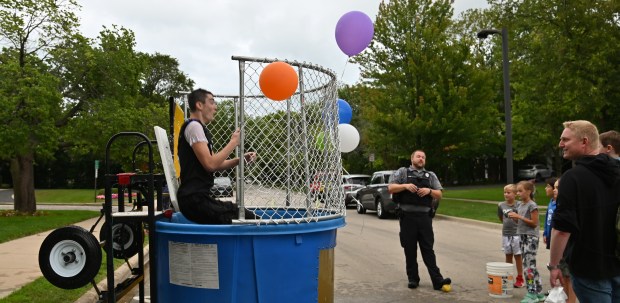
(203, 35)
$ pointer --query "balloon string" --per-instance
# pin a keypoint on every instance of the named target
(343, 69)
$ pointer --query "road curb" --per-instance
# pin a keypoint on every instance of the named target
(471, 221)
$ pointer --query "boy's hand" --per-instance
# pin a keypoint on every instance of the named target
(250, 157)
(234, 138)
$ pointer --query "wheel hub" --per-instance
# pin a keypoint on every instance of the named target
(68, 257)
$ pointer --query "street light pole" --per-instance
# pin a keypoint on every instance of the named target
(507, 106)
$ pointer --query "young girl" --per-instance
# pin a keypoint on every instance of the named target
(527, 228)
(511, 242)
(549, 190)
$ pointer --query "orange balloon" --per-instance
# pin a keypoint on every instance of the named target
(278, 81)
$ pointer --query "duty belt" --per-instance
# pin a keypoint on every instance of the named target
(408, 208)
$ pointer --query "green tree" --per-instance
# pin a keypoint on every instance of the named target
(30, 101)
(114, 88)
(162, 77)
(423, 89)
(59, 89)
(109, 85)
(565, 66)
(357, 161)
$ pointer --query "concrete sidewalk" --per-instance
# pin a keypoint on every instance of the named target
(19, 259)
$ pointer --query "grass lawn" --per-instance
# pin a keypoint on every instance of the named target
(476, 211)
(13, 225)
(66, 195)
(40, 290)
(492, 193)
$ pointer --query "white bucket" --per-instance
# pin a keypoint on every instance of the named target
(500, 279)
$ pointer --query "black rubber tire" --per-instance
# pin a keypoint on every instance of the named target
(125, 239)
(381, 213)
(70, 257)
(360, 209)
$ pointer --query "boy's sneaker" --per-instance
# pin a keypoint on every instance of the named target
(530, 298)
(541, 297)
(519, 283)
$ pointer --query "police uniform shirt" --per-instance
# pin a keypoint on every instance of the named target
(400, 176)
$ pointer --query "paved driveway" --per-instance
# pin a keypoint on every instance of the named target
(6, 195)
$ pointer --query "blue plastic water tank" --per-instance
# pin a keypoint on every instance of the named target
(246, 263)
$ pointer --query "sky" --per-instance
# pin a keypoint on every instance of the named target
(203, 35)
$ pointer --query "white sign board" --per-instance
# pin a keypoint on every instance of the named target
(193, 265)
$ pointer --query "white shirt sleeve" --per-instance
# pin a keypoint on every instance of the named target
(194, 133)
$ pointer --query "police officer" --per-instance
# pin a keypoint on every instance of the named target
(414, 189)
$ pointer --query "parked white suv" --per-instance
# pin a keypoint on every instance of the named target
(534, 171)
(351, 184)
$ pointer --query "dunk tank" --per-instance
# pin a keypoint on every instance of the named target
(293, 187)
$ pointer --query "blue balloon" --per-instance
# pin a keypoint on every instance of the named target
(344, 112)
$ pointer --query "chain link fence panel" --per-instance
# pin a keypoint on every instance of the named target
(297, 176)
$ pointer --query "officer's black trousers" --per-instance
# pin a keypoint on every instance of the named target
(418, 228)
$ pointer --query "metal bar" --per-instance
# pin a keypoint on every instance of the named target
(111, 297)
(290, 220)
(507, 107)
(288, 151)
(304, 135)
(110, 237)
(293, 63)
(241, 167)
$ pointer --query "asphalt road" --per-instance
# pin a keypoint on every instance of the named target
(369, 262)
(6, 195)
(370, 265)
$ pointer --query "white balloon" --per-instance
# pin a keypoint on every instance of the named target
(349, 137)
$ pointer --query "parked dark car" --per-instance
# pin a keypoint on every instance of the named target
(351, 184)
(375, 196)
(534, 171)
(222, 187)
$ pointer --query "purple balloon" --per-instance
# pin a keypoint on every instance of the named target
(354, 32)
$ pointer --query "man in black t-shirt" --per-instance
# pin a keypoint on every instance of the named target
(584, 221)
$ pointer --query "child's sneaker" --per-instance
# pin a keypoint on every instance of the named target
(519, 283)
(541, 297)
(530, 298)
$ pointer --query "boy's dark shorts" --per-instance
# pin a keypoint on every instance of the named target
(204, 209)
